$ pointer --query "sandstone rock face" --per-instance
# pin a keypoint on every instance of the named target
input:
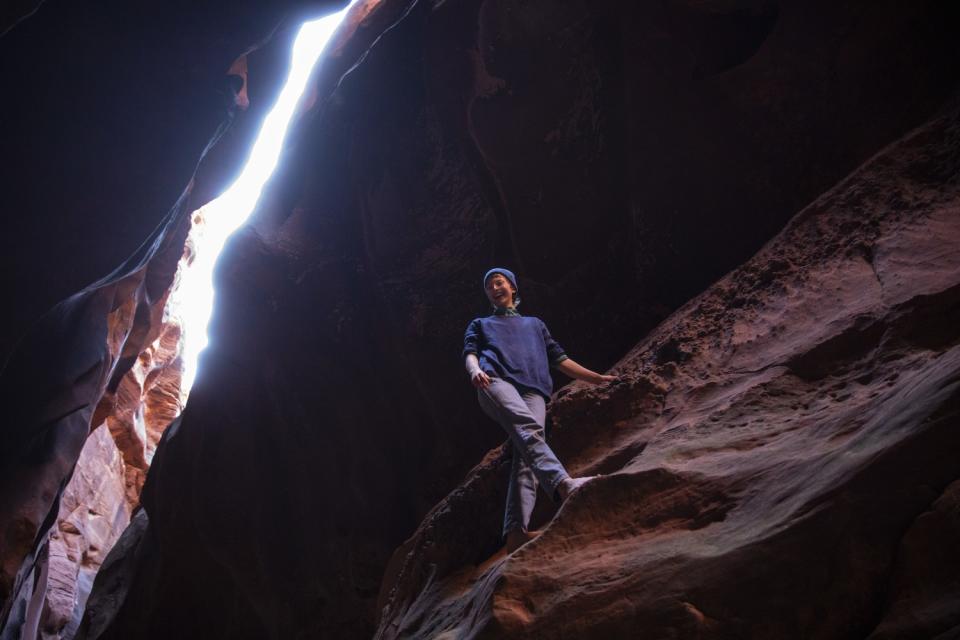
(103, 355)
(94, 511)
(108, 108)
(112, 581)
(147, 399)
(780, 456)
(90, 361)
(620, 156)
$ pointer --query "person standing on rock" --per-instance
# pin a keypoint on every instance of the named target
(508, 358)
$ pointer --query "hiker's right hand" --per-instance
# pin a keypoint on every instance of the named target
(480, 380)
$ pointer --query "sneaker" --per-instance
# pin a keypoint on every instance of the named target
(571, 485)
(517, 538)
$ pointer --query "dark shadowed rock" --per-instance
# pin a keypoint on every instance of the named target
(620, 157)
(748, 495)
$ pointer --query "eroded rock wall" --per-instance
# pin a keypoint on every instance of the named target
(619, 156)
(779, 456)
(109, 355)
(94, 511)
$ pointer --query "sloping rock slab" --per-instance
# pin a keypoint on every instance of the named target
(781, 455)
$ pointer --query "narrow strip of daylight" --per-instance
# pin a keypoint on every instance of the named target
(192, 300)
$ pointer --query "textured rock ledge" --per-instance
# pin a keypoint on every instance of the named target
(782, 458)
(467, 126)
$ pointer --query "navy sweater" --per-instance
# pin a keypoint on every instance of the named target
(517, 348)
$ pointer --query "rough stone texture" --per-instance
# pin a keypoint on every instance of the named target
(105, 485)
(62, 380)
(93, 513)
(133, 406)
(112, 581)
(108, 106)
(926, 581)
(620, 156)
(780, 457)
(75, 354)
(147, 399)
(108, 354)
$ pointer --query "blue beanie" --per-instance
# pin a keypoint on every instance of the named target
(506, 273)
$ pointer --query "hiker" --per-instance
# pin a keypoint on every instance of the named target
(507, 357)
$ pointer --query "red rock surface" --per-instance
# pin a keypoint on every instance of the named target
(103, 362)
(781, 458)
(584, 147)
(147, 399)
(107, 355)
(622, 155)
(94, 511)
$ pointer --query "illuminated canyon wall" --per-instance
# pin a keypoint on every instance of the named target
(779, 456)
(621, 158)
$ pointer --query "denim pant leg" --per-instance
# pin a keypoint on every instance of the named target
(502, 402)
(521, 492)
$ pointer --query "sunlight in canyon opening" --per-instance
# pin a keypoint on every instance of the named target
(191, 299)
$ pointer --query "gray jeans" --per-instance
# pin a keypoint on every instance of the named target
(523, 418)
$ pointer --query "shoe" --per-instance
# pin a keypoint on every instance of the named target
(517, 538)
(571, 485)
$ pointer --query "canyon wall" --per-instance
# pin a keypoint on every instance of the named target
(779, 457)
(621, 157)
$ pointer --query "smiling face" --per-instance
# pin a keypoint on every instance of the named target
(499, 291)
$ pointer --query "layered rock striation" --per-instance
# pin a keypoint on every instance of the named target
(105, 361)
(780, 456)
(620, 157)
(59, 387)
(94, 509)
(331, 412)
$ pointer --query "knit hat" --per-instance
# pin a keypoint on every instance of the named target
(506, 273)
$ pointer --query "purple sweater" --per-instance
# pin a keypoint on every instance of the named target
(517, 348)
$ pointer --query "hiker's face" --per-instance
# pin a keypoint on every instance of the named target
(499, 291)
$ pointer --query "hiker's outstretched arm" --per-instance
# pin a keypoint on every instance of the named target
(574, 370)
